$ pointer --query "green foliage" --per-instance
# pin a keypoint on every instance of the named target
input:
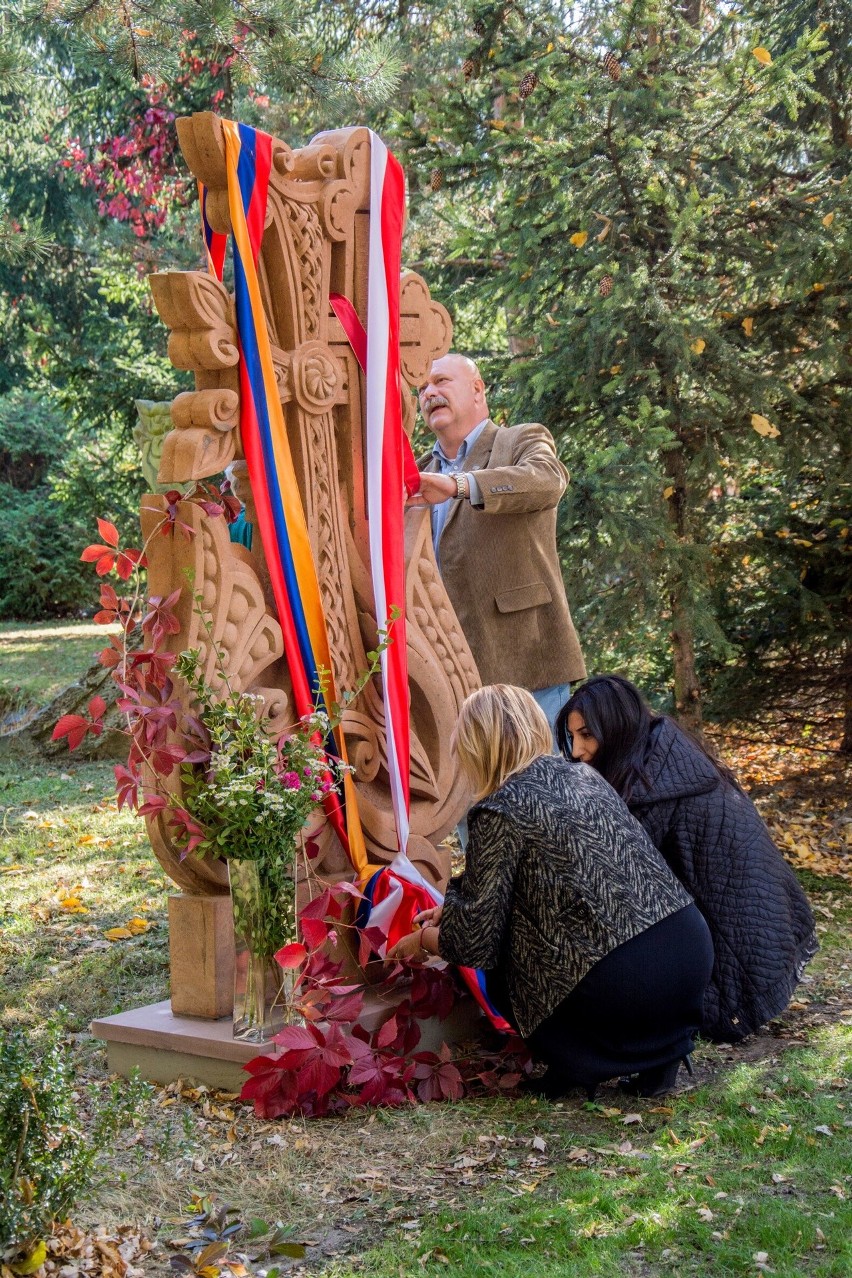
(50, 1147)
(39, 557)
(658, 213)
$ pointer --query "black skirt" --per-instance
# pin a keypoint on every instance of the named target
(638, 1008)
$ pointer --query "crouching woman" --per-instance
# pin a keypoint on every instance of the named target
(591, 947)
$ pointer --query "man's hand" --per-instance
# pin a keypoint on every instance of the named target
(434, 488)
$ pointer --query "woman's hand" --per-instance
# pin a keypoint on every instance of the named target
(429, 918)
(410, 947)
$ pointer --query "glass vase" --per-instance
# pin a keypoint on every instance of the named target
(261, 990)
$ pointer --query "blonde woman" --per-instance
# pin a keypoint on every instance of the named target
(590, 945)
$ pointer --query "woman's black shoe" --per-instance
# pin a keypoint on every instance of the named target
(657, 1081)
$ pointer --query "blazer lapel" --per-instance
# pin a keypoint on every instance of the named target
(477, 459)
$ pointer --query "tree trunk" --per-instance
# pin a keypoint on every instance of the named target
(687, 690)
(846, 686)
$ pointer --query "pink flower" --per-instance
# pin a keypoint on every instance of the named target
(291, 780)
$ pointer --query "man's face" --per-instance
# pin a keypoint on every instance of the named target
(453, 396)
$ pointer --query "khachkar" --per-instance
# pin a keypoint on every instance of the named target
(315, 243)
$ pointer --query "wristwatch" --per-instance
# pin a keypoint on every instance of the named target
(461, 485)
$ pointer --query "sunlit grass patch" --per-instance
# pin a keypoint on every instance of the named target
(71, 868)
(37, 661)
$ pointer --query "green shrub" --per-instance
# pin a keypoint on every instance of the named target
(40, 571)
(47, 1157)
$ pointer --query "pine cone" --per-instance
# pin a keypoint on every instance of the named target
(527, 85)
(436, 179)
(612, 66)
(469, 68)
(605, 286)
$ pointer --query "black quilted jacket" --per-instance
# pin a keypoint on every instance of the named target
(557, 875)
(713, 838)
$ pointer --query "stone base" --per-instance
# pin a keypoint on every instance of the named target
(164, 1047)
(201, 955)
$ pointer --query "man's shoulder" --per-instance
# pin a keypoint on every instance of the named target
(514, 439)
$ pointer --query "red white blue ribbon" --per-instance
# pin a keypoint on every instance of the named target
(280, 514)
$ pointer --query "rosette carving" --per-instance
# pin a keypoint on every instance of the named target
(316, 377)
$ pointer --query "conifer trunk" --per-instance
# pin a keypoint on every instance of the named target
(687, 690)
(846, 687)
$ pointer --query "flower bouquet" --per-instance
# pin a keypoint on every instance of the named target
(249, 801)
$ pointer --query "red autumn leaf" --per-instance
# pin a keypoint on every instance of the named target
(388, 1032)
(128, 786)
(295, 1038)
(127, 561)
(292, 955)
(110, 657)
(346, 1008)
(314, 931)
(153, 804)
(165, 759)
(323, 906)
(108, 531)
(72, 726)
(101, 556)
(97, 708)
(186, 827)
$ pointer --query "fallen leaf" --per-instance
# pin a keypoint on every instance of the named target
(748, 326)
(763, 56)
(828, 219)
(764, 426)
(824, 1130)
(631, 1118)
(698, 345)
(118, 934)
(578, 239)
(33, 1261)
(704, 1213)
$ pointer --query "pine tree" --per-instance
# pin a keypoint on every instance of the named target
(664, 216)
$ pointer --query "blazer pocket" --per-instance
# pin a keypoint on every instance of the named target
(531, 596)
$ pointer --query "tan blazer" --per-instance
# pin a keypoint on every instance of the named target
(499, 562)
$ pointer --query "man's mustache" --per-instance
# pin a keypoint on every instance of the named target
(436, 401)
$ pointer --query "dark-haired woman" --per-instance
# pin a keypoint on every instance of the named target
(713, 839)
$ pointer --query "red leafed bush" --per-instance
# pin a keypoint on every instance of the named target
(332, 1063)
(161, 735)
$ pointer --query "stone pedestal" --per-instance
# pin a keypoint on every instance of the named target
(164, 1047)
(201, 956)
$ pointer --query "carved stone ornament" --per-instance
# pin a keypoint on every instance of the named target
(315, 242)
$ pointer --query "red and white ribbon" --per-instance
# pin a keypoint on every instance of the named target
(384, 461)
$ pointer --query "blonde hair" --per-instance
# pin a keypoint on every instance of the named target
(500, 731)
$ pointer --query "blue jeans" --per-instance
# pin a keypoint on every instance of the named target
(551, 700)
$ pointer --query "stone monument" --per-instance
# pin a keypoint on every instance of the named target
(315, 242)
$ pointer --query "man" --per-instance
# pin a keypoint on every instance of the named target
(493, 493)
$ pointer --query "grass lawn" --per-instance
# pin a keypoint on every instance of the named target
(747, 1171)
(37, 661)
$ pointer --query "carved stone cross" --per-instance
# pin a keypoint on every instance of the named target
(315, 242)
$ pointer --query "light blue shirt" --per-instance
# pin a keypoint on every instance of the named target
(451, 466)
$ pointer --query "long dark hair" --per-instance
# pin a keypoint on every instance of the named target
(618, 717)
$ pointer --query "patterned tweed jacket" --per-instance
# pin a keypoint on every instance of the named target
(558, 874)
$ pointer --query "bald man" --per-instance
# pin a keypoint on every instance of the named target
(493, 493)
